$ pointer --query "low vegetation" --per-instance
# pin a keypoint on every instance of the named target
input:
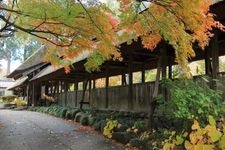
(19, 102)
(193, 118)
(8, 98)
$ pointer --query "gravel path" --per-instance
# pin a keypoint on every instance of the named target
(25, 130)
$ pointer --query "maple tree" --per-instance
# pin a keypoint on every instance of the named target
(70, 27)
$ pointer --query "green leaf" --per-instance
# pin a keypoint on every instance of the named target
(215, 135)
(212, 120)
(179, 140)
(222, 142)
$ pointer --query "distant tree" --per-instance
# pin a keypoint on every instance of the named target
(30, 45)
(14, 48)
(9, 50)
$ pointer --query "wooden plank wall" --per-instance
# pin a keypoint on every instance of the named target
(118, 98)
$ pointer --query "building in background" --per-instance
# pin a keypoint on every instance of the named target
(4, 84)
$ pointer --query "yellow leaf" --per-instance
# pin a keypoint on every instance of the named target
(188, 145)
(193, 138)
(215, 135)
(168, 146)
(203, 147)
(222, 143)
(195, 126)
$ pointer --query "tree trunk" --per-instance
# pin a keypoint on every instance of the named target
(155, 93)
(8, 65)
(25, 54)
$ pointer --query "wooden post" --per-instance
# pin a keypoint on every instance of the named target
(143, 73)
(27, 93)
(57, 90)
(51, 88)
(107, 87)
(215, 59)
(66, 91)
(130, 86)
(208, 69)
(152, 102)
(34, 93)
(83, 94)
(94, 83)
(163, 52)
(61, 87)
(76, 89)
(124, 79)
(89, 88)
(170, 69)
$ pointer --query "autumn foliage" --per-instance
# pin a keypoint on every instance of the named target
(73, 27)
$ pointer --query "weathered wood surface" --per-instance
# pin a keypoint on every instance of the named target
(117, 100)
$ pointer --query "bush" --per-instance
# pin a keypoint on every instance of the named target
(212, 136)
(19, 102)
(74, 112)
(111, 125)
(62, 112)
(84, 119)
(188, 98)
(91, 120)
(78, 116)
(68, 115)
(99, 125)
(122, 137)
(139, 143)
(8, 98)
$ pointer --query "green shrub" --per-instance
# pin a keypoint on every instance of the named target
(139, 143)
(84, 119)
(8, 98)
(74, 112)
(78, 116)
(68, 115)
(188, 98)
(99, 125)
(140, 125)
(123, 137)
(62, 112)
(91, 120)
